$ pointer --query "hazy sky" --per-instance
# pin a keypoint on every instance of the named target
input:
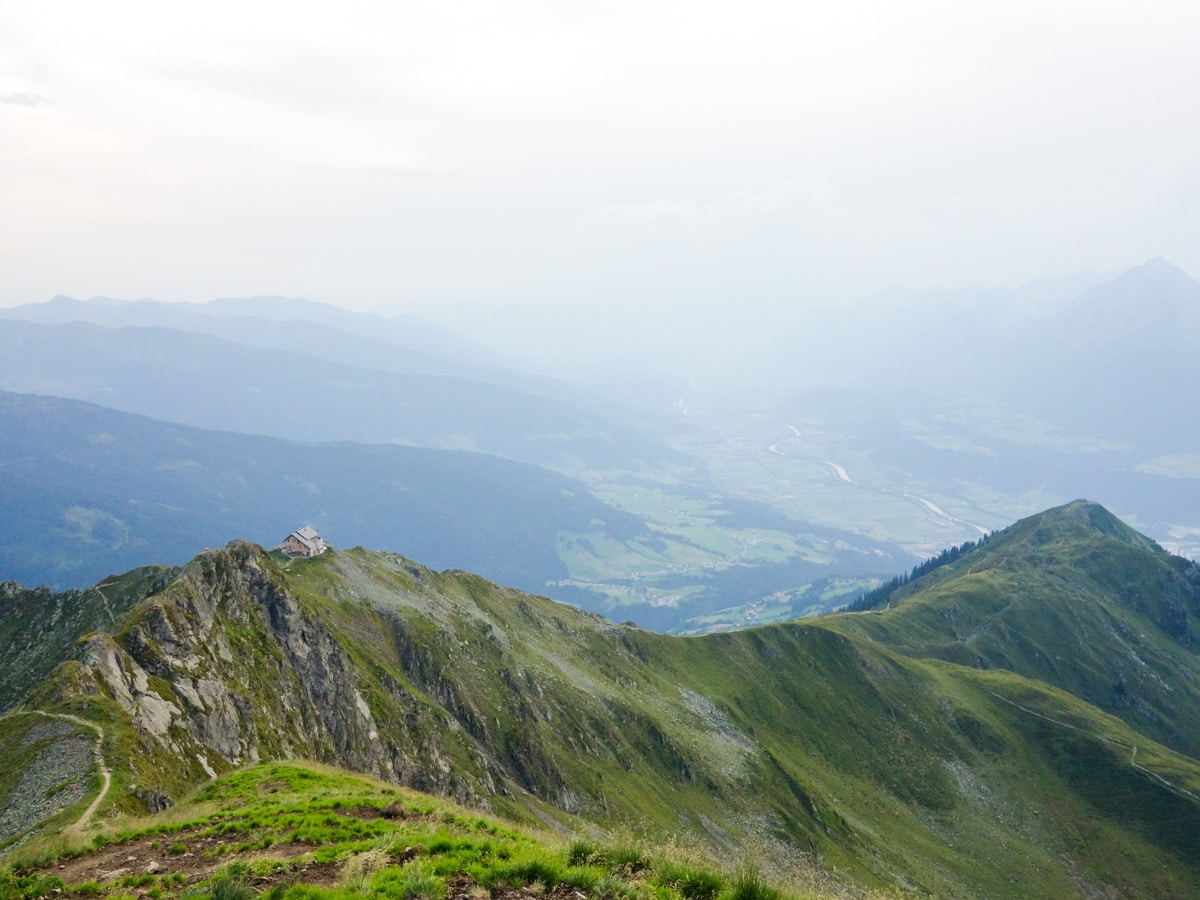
(578, 156)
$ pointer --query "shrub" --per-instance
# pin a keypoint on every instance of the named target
(689, 881)
(533, 870)
(230, 883)
(580, 853)
(582, 878)
(747, 885)
(614, 887)
(414, 882)
(358, 870)
(25, 887)
(629, 860)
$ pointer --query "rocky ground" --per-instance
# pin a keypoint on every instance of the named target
(57, 778)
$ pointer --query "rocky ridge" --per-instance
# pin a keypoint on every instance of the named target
(795, 739)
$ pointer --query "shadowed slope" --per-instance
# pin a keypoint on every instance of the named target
(1074, 598)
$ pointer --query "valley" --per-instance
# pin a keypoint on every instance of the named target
(781, 485)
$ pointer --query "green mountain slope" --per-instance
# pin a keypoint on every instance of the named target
(1071, 597)
(795, 744)
(303, 831)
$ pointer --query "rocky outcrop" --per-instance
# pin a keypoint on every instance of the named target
(226, 668)
(36, 624)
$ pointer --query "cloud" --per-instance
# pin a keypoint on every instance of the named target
(22, 99)
(793, 202)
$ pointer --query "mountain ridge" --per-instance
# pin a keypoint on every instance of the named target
(202, 381)
(1072, 597)
(175, 489)
(805, 736)
(397, 347)
(407, 330)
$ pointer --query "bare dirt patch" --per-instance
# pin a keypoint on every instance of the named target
(152, 855)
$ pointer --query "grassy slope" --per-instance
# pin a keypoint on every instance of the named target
(307, 832)
(1071, 597)
(791, 743)
(792, 733)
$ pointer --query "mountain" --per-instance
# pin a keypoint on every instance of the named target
(1117, 362)
(228, 315)
(402, 344)
(194, 379)
(806, 740)
(1154, 303)
(1101, 357)
(989, 404)
(1071, 597)
(85, 491)
(978, 340)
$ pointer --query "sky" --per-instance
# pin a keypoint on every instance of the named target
(590, 163)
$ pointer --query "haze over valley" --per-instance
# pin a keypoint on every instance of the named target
(624, 451)
(780, 485)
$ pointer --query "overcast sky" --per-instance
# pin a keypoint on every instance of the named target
(583, 156)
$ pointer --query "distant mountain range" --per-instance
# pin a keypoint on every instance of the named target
(86, 491)
(210, 382)
(1079, 386)
(859, 742)
(952, 412)
(1097, 356)
(260, 321)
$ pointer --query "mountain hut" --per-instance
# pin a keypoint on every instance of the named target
(304, 542)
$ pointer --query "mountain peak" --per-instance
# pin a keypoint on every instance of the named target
(1078, 519)
(1155, 278)
(1154, 306)
(1160, 267)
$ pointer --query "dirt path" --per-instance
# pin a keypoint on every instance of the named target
(106, 774)
(1113, 742)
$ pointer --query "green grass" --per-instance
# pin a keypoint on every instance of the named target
(690, 541)
(413, 857)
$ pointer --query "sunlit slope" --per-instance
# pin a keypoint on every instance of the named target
(303, 831)
(1072, 597)
(785, 742)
